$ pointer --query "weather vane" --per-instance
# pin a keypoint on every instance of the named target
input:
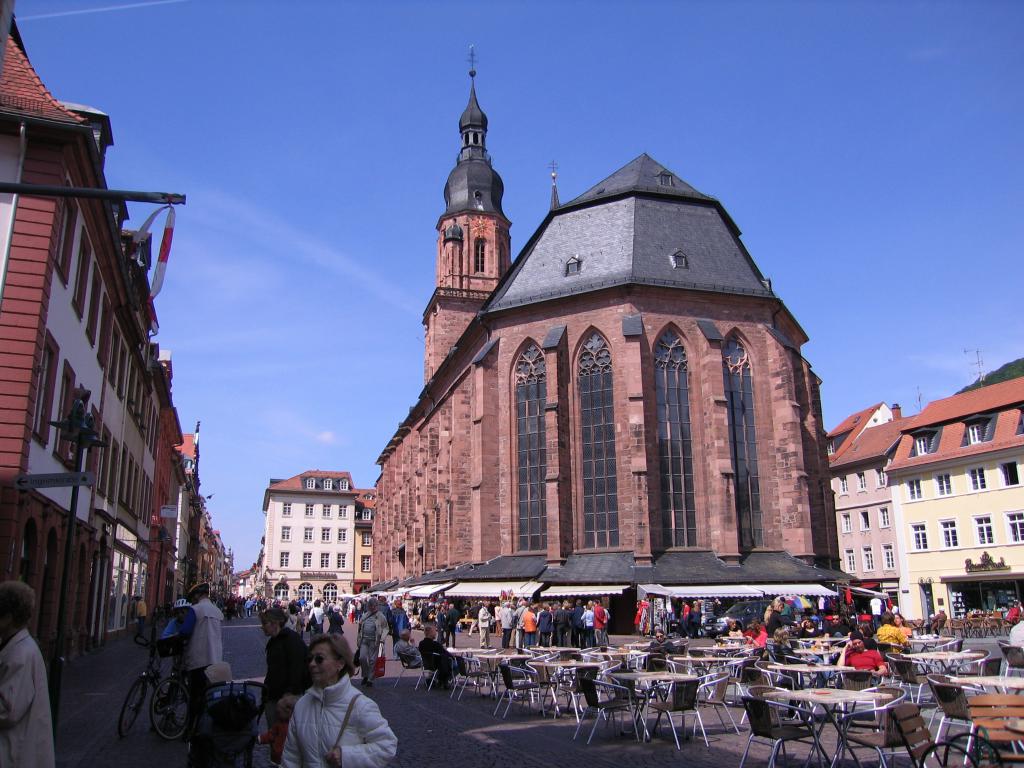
(554, 169)
(472, 61)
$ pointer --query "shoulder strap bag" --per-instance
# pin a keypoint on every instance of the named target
(344, 723)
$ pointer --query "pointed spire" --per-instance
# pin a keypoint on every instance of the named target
(554, 185)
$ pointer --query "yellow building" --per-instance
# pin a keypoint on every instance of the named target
(959, 502)
(363, 564)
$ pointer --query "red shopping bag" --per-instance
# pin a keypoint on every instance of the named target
(380, 664)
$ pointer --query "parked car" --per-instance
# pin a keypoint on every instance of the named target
(743, 612)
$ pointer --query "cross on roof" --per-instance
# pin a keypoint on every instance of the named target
(554, 168)
(472, 61)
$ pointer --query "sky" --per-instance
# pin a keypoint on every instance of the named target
(870, 152)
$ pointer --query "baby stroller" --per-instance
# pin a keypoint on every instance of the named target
(225, 731)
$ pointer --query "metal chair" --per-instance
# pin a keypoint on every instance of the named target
(518, 687)
(681, 699)
(925, 752)
(905, 670)
(619, 700)
(766, 724)
(873, 728)
(428, 672)
(712, 693)
(1014, 656)
(408, 661)
(952, 703)
(472, 672)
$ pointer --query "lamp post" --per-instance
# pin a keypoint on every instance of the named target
(77, 427)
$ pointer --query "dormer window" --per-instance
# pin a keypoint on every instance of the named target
(975, 433)
(310, 484)
(926, 442)
(679, 260)
(665, 179)
(979, 429)
(573, 266)
(343, 484)
(328, 484)
(830, 448)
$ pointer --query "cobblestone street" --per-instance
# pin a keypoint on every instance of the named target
(431, 728)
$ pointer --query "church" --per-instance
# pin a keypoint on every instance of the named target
(624, 404)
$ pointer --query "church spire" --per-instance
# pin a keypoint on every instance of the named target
(554, 185)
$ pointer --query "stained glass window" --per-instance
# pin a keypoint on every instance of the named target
(739, 392)
(597, 426)
(531, 397)
(675, 455)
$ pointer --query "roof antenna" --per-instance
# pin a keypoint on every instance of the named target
(472, 61)
(918, 399)
(977, 362)
(554, 185)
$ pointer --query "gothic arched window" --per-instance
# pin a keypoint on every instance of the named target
(678, 513)
(597, 428)
(479, 252)
(531, 397)
(739, 393)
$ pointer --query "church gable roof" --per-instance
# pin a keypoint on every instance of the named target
(628, 231)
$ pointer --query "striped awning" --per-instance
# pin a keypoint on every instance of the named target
(584, 590)
(493, 589)
(714, 590)
(426, 590)
(804, 590)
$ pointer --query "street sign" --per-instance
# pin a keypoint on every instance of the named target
(55, 480)
(169, 511)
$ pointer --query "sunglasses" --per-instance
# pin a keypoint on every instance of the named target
(318, 658)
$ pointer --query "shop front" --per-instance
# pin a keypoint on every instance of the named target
(991, 588)
(124, 578)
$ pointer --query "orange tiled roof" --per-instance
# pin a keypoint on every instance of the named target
(871, 443)
(989, 398)
(21, 90)
(364, 494)
(295, 483)
(951, 442)
(854, 424)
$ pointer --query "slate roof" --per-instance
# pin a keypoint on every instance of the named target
(508, 567)
(626, 231)
(609, 568)
(22, 91)
(695, 567)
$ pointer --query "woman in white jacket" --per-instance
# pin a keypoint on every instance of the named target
(333, 723)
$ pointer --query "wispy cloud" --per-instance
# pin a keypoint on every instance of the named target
(927, 54)
(100, 9)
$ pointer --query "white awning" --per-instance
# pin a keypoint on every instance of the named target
(583, 590)
(654, 589)
(493, 588)
(426, 590)
(867, 592)
(803, 590)
(714, 590)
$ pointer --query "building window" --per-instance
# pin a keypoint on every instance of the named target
(307, 534)
(95, 299)
(573, 266)
(926, 442)
(367, 539)
(531, 450)
(310, 484)
(286, 533)
(341, 558)
(479, 254)
(307, 559)
(330, 592)
(914, 489)
(597, 427)
(862, 482)
(920, 445)
(342, 512)
(950, 538)
(920, 533)
(67, 243)
(305, 589)
(309, 510)
(343, 484)
(325, 535)
(327, 510)
(325, 560)
(364, 564)
(286, 510)
(847, 525)
(851, 561)
(868, 555)
(678, 507)
(865, 520)
(283, 560)
(82, 279)
(975, 433)
(44, 390)
(977, 479)
(844, 486)
(883, 517)
(679, 260)
(880, 479)
(983, 530)
(1009, 473)
(830, 447)
(943, 486)
(739, 393)
(328, 484)
(1015, 520)
(888, 558)
(342, 535)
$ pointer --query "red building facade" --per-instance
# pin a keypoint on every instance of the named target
(630, 393)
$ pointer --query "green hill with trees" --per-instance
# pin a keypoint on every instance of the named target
(1004, 373)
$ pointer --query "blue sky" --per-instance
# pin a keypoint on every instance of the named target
(870, 152)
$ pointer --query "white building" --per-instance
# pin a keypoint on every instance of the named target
(309, 536)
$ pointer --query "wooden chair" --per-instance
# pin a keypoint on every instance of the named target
(925, 752)
(990, 714)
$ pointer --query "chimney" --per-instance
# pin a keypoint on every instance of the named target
(897, 412)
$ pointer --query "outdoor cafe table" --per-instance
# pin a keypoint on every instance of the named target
(944, 659)
(1001, 682)
(825, 654)
(810, 669)
(642, 685)
(708, 661)
(926, 640)
(831, 700)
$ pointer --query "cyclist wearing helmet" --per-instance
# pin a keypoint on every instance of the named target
(178, 613)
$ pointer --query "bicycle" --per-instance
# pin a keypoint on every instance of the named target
(136, 698)
(169, 709)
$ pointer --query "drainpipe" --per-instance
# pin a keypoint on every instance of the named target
(5, 258)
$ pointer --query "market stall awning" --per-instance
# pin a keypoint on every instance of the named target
(493, 588)
(714, 590)
(426, 590)
(654, 589)
(812, 590)
(867, 592)
(583, 590)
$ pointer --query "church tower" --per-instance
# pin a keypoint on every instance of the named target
(472, 239)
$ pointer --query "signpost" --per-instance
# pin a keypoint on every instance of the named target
(55, 480)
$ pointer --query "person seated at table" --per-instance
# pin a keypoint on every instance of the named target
(839, 627)
(809, 629)
(756, 634)
(735, 630)
(867, 633)
(901, 624)
(406, 651)
(860, 658)
(1013, 614)
(938, 622)
(443, 661)
(889, 633)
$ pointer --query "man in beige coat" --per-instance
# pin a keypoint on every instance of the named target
(26, 730)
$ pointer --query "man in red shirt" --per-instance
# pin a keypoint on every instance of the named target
(857, 656)
(600, 625)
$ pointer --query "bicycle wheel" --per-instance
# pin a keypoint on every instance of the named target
(168, 708)
(133, 703)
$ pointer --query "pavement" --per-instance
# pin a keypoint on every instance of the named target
(431, 727)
